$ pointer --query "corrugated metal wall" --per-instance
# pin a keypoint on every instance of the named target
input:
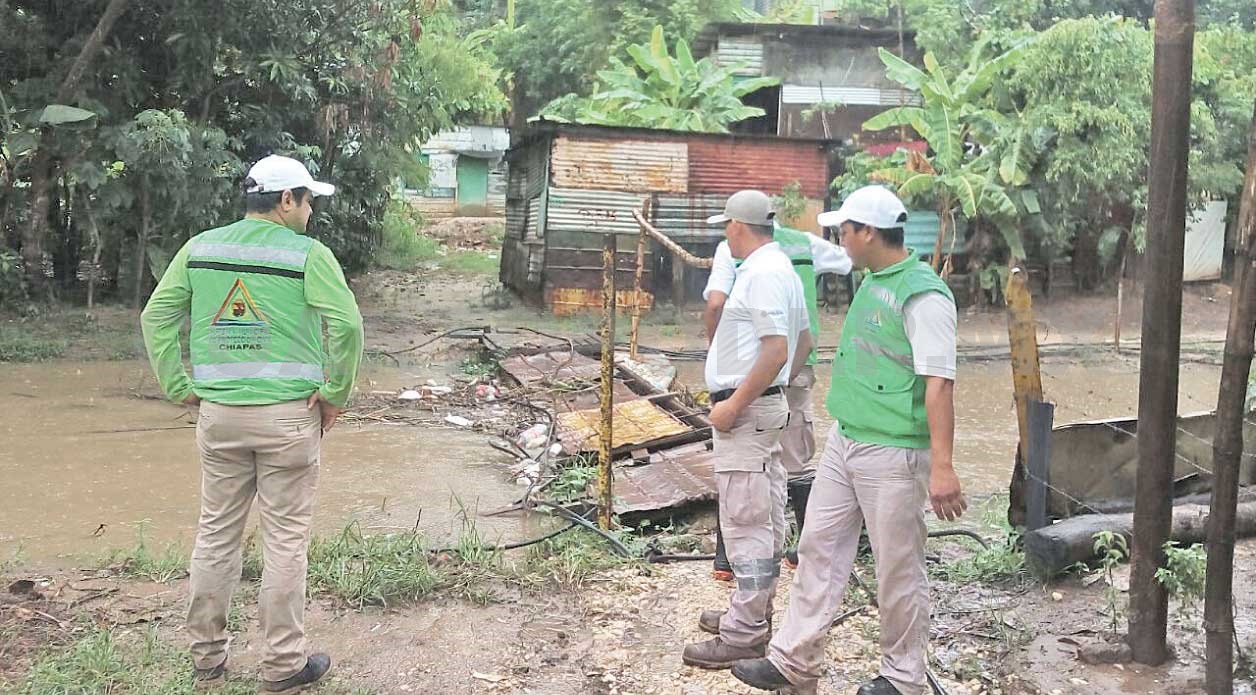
(619, 164)
(730, 165)
(592, 211)
(747, 52)
(569, 188)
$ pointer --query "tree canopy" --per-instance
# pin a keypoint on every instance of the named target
(186, 93)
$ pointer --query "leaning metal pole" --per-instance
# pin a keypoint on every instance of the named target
(1227, 445)
(1162, 325)
(605, 496)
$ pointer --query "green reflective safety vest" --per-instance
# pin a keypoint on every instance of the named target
(253, 339)
(875, 394)
(797, 246)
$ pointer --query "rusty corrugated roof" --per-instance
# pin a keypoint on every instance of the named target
(673, 478)
(728, 166)
(620, 164)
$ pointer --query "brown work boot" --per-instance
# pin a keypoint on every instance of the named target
(709, 621)
(716, 654)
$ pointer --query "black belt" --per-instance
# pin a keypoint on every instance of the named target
(728, 393)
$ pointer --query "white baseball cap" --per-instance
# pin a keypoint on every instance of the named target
(875, 206)
(751, 207)
(274, 174)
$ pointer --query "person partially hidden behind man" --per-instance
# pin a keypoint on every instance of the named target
(761, 343)
(887, 457)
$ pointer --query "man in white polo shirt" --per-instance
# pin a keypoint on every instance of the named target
(810, 256)
(761, 342)
(887, 457)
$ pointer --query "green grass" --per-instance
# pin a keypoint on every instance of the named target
(471, 262)
(1003, 561)
(143, 561)
(129, 663)
(17, 344)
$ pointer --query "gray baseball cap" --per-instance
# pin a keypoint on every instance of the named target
(751, 207)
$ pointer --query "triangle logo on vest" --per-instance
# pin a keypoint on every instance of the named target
(238, 308)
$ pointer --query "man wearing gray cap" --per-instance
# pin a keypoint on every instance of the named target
(761, 342)
(887, 457)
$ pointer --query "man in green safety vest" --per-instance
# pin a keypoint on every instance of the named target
(811, 256)
(258, 292)
(888, 455)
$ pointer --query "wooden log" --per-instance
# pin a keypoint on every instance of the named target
(1052, 549)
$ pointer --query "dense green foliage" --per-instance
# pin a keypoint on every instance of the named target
(556, 47)
(659, 90)
(186, 93)
(1073, 111)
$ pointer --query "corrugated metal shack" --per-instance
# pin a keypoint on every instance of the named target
(571, 184)
(832, 79)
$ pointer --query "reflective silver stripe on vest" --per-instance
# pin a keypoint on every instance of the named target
(245, 252)
(867, 346)
(886, 295)
(257, 370)
(756, 575)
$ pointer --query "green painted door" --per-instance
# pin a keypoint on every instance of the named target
(472, 186)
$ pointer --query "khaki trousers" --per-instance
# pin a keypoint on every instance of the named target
(750, 480)
(885, 488)
(271, 453)
(798, 441)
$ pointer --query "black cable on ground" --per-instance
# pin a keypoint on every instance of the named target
(511, 546)
(619, 548)
(960, 532)
(664, 558)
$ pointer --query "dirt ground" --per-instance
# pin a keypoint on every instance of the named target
(622, 630)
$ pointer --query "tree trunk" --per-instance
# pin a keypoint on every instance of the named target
(41, 176)
(94, 270)
(943, 209)
(141, 241)
(1227, 445)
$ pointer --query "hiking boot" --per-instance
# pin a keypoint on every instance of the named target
(722, 575)
(878, 686)
(210, 677)
(709, 621)
(316, 667)
(791, 559)
(715, 654)
(761, 674)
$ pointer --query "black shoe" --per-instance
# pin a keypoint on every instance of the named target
(761, 674)
(878, 686)
(210, 677)
(316, 666)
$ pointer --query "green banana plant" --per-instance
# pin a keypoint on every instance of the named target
(661, 90)
(980, 157)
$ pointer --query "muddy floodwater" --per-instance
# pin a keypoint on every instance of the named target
(85, 463)
(985, 414)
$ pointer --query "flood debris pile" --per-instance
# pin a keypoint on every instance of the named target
(537, 395)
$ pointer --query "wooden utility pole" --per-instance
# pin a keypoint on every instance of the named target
(1227, 445)
(605, 496)
(1162, 325)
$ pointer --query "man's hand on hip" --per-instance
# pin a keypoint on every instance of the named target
(192, 400)
(945, 493)
(329, 411)
(723, 415)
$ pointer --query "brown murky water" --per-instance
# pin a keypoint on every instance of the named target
(985, 415)
(65, 472)
(72, 487)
